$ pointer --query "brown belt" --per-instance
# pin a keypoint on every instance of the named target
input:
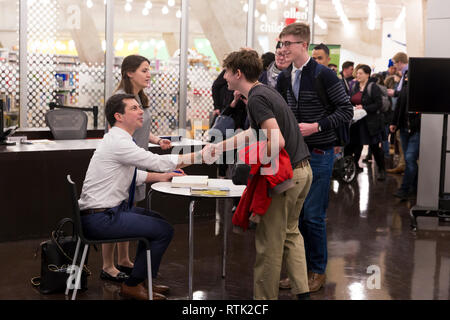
(302, 164)
(92, 211)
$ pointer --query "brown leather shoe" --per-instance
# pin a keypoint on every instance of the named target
(139, 293)
(315, 281)
(159, 288)
(396, 170)
(285, 283)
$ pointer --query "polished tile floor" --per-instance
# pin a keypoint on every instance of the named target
(372, 254)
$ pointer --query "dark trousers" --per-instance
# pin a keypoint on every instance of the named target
(312, 223)
(410, 145)
(121, 222)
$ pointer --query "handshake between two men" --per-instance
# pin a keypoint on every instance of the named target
(266, 150)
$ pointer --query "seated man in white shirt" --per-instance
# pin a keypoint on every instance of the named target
(108, 189)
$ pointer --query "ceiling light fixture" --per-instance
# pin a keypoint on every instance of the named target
(165, 10)
(341, 14)
(149, 5)
(119, 45)
(400, 18)
(372, 10)
(171, 3)
(302, 3)
(128, 7)
(322, 24)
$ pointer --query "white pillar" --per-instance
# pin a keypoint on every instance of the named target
(415, 27)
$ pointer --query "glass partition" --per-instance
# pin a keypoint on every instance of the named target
(152, 29)
(216, 28)
(9, 61)
(66, 43)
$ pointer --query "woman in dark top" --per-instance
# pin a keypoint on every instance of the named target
(366, 95)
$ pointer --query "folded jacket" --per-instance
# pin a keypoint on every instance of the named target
(264, 180)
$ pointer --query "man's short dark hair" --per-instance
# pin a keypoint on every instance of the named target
(322, 47)
(267, 58)
(245, 60)
(332, 65)
(116, 104)
(347, 64)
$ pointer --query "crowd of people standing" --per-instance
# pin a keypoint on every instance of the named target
(385, 127)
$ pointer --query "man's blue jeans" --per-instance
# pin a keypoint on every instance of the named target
(385, 143)
(312, 217)
(410, 145)
(121, 222)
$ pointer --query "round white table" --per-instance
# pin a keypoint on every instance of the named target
(235, 192)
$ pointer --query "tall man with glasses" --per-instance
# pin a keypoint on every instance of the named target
(298, 85)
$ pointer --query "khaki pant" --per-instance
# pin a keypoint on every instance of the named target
(278, 239)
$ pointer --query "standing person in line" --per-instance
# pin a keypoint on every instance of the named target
(221, 97)
(107, 198)
(409, 126)
(370, 130)
(270, 75)
(135, 71)
(297, 84)
(347, 75)
(277, 237)
(321, 53)
(333, 67)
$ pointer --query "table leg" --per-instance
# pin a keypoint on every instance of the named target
(149, 200)
(225, 236)
(191, 246)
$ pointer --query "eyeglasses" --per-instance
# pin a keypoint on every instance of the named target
(279, 55)
(287, 44)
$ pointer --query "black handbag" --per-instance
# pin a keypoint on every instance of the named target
(223, 123)
(56, 258)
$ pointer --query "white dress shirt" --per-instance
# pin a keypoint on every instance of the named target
(111, 170)
(294, 69)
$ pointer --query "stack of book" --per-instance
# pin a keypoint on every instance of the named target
(189, 181)
(210, 191)
(199, 185)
